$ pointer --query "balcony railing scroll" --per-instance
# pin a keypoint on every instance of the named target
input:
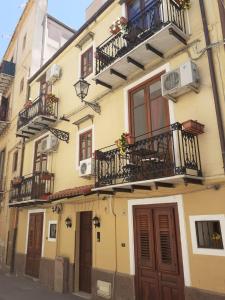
(42, 106)
(166, 152)
(147, 22)
(32, 187)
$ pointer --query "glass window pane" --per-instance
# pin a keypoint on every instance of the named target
(133, 8)
(209, 234)
(159, 114)
(155, 90)
(140, 121)
(138, 98)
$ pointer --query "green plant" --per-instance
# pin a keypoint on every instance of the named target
(122, 142)
(184, 4)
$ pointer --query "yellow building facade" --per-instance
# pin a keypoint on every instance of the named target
(122, 195)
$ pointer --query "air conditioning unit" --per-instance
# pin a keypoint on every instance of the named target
(181, 80)
(86, 167)
(53, 73)
(49, 144)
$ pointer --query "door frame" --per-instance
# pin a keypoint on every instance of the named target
(33, 211)
(178, 199)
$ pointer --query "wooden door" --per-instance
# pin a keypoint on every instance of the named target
(34, 246)
(85, 252)
(158, 260)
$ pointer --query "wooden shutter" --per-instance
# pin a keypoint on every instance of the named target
(166, 240)
(144, 231)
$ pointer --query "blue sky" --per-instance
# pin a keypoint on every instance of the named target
(71, 12)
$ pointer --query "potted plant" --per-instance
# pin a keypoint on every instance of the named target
(119, 25)
(28, 104)
(52, 98)
(45, 175)
(122, 143)
(17, 180)
(193, 127)
(183, 4)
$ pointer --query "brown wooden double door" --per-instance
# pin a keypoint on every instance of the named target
(34, 246)
(158, 260)
(85, 265)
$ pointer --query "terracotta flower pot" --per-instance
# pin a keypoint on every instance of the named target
(46, 176)
(28, 104)
(114, 29)
(193, 127)
(17, 180)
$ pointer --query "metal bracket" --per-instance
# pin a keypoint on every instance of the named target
(95, 106)
(60, 134)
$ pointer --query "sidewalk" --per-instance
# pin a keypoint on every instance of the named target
(12, 287)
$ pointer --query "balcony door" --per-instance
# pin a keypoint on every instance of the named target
(144, 14)
(45, 89)
(149, 111)
(40, 159)
(40, 166)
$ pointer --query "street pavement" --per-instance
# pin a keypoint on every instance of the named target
(17, 288)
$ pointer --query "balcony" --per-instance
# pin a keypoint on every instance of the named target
(162, 157)
(37, 116)
(152, 35)
(7, 73)
(3, 114)
(34, 188)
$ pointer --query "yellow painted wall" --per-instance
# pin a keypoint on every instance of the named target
(207, 271)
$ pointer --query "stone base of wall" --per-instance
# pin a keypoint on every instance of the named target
(20, 264)
(122, 285)
(197, 294)
(47, 271)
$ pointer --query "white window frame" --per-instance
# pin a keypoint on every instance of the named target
(52, 222)
(207, 251)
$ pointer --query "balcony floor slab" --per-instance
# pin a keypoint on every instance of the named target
(40, 124)
(152, 183)
(162, 41)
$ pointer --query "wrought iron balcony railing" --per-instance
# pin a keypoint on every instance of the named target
(7, 73)
(167, 152)
(33, 187)
(147, 22)
(42, 106)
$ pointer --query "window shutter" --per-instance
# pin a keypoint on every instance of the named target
(144, 233)
(166, 240)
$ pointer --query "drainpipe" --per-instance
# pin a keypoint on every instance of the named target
(213, 80)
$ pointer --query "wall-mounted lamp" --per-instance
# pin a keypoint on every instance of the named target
(81, 88)
(96, 221)
(68, 222)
